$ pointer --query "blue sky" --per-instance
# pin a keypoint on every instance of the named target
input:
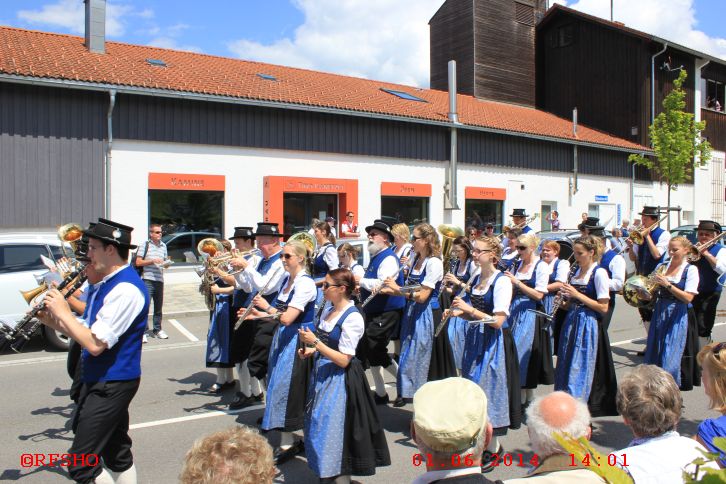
(379, 39)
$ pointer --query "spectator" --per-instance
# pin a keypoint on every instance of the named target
(554, 413)
(625, 228)
(488, 231)
(650, 403)
(716, 105)
(712, 359)
(451, 438)
(349, 228)
(636, 224)
(472, 232)
(151, 258)
(618, 241)
(584, 216)
(554, 219)
(238, 455)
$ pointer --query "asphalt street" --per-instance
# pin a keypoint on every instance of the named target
(172, 409)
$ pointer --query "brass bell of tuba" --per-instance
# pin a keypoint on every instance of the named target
(448, 234)
(70, 233)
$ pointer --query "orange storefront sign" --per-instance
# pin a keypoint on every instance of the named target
(186, 181)
(485, 193)
(395, 189)
(274, 188)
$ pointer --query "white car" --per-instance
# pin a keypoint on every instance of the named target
(20, 263)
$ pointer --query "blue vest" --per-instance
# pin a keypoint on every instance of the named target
(526, 229)
(123, 361)
(708, 277)
(646, 263)
(484, 302)
(307, 316)
(381, 303)
(553, 275)
(531, 282)
(590, 291)
(466, 275)
(606, 259)
(331, 339)
(263, 267)
(417, 279)
(320, 267)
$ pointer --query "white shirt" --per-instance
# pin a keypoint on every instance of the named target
(541, 277)
(356, 269)
(305, 292)
(243, 279)
(617, 269)
(434, 271)
(120, 307)
(330, 256)
(389, 268)
(662, 244)
(273, 276)
(602, 281)
(351, 329)
(692, 276)
(404, 250)
(502, 292)
(720, 261)
(346, 227)
(563, 268)
(432, 476)
(464, 267)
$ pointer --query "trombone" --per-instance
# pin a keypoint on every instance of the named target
(525, 222)
(638, 236)
(694, 254)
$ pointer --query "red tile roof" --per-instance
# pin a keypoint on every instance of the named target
(56, 56)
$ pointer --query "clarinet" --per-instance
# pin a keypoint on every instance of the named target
(27, 326)
(559, 297)
(251, 306)
(465, 288)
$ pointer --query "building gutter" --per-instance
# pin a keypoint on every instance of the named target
(298, 107)
(652, 83)
(107, 164)
(450, 190)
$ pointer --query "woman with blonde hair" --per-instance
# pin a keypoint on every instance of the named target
(584, 362)
(712, 359)
(672, 340)
(287, 376)
(422, 359)
(401, 236)
(529, 276)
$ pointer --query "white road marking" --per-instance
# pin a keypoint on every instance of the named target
(642, 339)
(183, 330)
(214, 413)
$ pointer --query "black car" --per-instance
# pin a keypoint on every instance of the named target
(688, 231)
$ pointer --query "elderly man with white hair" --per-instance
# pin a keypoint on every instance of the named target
(557, 412)
(451, 438)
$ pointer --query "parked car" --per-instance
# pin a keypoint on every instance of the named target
(688, 231)
(179, 244)
(20, 263)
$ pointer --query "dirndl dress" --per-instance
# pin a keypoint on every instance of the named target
(672, 337)
(457, 327)
(287, 375)
(219, 334)
(343, 434)
(487, 353)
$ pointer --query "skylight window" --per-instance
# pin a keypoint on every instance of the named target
(404, 95)
(267, 77)
(156, 62)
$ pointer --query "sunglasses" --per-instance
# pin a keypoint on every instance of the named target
(286, 256)
(522, 247)
(414, 238)
(326, 285)
(156, 231)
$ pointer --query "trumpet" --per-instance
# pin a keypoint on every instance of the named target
(525, 222)
(638, 236)
(694, 253)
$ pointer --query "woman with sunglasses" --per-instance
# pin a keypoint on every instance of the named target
(584, 360)
(343, 435)
(422, 359)
(490, 356)
(463, 268)
(672, 340)
(712, 359)
(559, 269)
(529, 277)
(287, 376)
(326, 258)
(219, 334)
(401, 237)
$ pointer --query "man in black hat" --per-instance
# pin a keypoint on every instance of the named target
(650, 253)
(591, 226)
(382, 312)
(115, 320)
(711, 266)
(519, 219)
(267, 274)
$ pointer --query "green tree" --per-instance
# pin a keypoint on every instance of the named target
(677, 142)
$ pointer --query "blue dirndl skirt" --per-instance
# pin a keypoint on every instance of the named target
(219, 335)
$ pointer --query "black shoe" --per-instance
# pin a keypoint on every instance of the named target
(384, 400)
(281, 456)
(241, 401)
(398, 402)
(259, 398)
(488, 460)
(218, 388)
(640, 353)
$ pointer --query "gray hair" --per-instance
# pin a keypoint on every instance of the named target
(649, 399)
(541, 433)
(475, 450)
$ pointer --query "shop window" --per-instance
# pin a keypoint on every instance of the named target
(408, 210)
(299, 209)
(478, 213)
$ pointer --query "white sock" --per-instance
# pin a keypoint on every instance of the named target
(378, 380)
(229, 373)
(393, 368)
(243, 374)
(221, 376)
(255, 386)
(493, 445)
(126, 477)
(286, 440)
(529, 392)
(263, 383)
(104, 477)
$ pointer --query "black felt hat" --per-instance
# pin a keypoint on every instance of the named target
(379, 224)
(593, 224)
(650, 211)
(81, 252)
(709, 225)
(268, 228)
(111, 232)
(243, 233)
(519, 212)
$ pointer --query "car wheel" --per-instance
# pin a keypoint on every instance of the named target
(55, 339)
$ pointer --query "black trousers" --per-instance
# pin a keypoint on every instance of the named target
(379, 330)
(263, 331)
(704, 305)
(73, 364)
(101, 427)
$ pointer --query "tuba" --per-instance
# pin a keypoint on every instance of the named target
(310, 243)
(448, 234)
(71, 234)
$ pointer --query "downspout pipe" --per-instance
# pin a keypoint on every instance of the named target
(107, 161)
(652, 83)
(450, 192)
(574, 152)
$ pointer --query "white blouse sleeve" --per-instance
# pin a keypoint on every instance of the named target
(351, 332)
(331, 257)
(434, 272)
(663, 242)
(358, 270)
(602, 283)
(542, 276)
(720, 261)
(617, 269)
(563, 268)
(692, 279)
(502, 295)
(305, 291)
(120, 307)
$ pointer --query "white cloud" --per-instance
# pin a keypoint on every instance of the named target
(377, 39)
(70, 15)
(171, 43)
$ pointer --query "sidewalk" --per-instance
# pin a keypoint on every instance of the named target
(181, 292)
